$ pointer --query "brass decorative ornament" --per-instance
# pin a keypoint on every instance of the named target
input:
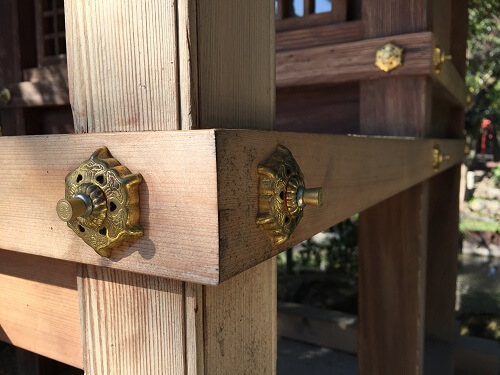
(438, 158)
(5, 96)
(101, 202)
(282, 195)
(438, 59)
(389, 57)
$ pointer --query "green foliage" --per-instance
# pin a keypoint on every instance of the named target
(480, 325)
(483, 63)
(336, 252)
(475, 225)
(496, 176)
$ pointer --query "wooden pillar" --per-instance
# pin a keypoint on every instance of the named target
(171, 65)
(393, 234)
(444, 189)
(11, 119)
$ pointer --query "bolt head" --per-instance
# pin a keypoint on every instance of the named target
(389, 57)
(5, 96)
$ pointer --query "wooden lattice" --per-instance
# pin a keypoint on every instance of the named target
(51, 32)
(298, 14)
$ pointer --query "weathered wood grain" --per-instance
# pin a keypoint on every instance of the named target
(398, 104)
(123, 70)
(382, 18)
(320, 35)
(459, 26)
(240, 323)
(204, 179)
(355, 172)
(443, 239)
(318, 109)
(11, 120)
(48, 72)
(226, 58)
(123, 75)
(131, 324)
(230, 329)
(453, 85)
(444, 194)
(39, 306)
(325, 54)
(37, 94)
(37, 167)
(352, 61)
(320, 327)
(42, 86)
(392, 284)
(393, 234)
(236, 75)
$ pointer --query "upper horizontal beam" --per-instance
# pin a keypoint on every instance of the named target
(355, 61)
(344, 32)
(199, 198)
(336, 56)
(37, 93)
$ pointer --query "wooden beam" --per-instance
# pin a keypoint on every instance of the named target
(353, 61)
(444, 192)
(209, 172)
(393, 234)
(392, 284)
(121, 326)
(229, 80)
(348, 187)
(133, 86)
(318, 109)
(443, 239)
(37, 94)
(39, 306)
(320, 35)
(304, 60)
(308, 7)
(320, 327)
(11, 120)
(282, 9)
(399, 17)
(200, 73)
(47, 73)
(452, 83)
(41, 86)
(338, 15)
(329, 54)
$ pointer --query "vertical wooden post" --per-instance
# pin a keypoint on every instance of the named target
(18, 52)
(393, 234)
(444, 191)
(412, 277)
(12, 119)
(183, 64)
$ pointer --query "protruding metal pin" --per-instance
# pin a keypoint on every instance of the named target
(70, 209)
(313, 196)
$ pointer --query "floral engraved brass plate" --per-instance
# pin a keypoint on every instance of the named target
(101, 202)
(282, 195)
